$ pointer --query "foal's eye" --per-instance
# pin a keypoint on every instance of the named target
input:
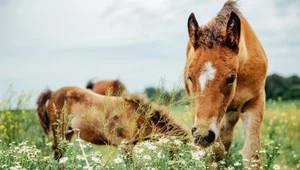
(230, 80)
(190, 78)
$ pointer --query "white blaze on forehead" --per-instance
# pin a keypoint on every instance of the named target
(208, 73)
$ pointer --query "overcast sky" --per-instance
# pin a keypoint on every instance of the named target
(68, 42)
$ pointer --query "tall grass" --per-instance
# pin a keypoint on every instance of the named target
(24, 145)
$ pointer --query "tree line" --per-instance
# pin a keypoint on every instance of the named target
(285, 88)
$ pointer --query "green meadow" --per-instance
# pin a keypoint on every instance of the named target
(23, 145)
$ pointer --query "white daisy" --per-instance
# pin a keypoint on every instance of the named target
(147, 157)
(63, 160)
(276, 167)
(118, 160)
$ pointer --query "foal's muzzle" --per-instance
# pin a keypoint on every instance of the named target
(203, 139)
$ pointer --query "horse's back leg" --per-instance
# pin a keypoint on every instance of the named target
(69, 134)
(57, 153)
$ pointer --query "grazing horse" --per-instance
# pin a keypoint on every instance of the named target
(103, 120)
(224, 76)
(108, 87)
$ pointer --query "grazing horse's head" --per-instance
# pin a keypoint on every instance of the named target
(211, 72)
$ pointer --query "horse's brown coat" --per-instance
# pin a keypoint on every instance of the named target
(108, 87)
(104, 119)
(237, 87)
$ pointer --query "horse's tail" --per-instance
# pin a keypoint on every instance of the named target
(42, 110)
(90, 85)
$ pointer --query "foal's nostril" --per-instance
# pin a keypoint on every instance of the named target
(210, 137)
(194, 129)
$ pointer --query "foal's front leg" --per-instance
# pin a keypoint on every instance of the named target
(252, 116)
(228, 123)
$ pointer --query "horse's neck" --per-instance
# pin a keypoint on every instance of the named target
(251, 55)
(249, 46)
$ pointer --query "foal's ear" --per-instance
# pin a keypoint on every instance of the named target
(233, 32)
(194, 30)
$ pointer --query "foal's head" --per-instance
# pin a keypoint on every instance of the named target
(156, 117)
(211, 72)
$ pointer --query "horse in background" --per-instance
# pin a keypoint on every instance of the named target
(103, 120)
(224, 76)
(108, 87)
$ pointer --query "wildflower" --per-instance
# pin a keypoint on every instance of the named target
(124, 142)
(149, 168)
(118, 160)
(276, 167)
(95, 159)
(160, 155)
(253, 165)
(87, 167)
(246, 160)
(214, 165)
(49, 144)
(89, 145)
(147, 157)
(262, 151)
(222, 162)
(181, 161)
(230, 168)
(80, 157)
(163, 141)
(171, 162)
(45, 158)
(177, 142)
(63, 160)
(198, 154)
(193, 145)
(4, 166)
(150, 145)
(254, 160)
(18, 167)
(195, 156)
(237, 164)
(139, 150)
(37, 151)
(70, 144)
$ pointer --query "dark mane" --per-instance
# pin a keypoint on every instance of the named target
(90, 85)
(224, 14)
(212, 34)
